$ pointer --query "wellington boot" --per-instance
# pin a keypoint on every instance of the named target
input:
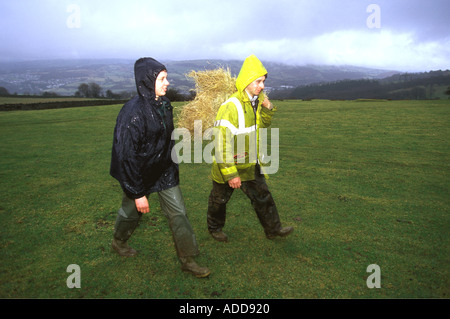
(283, 232)
(219, 236)
(122, 248)
(188, 264)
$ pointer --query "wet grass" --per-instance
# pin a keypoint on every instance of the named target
(362, 183)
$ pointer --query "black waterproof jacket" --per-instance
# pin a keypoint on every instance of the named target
(141, 153)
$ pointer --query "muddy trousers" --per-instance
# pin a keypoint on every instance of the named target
(172, 205)
(261, 199)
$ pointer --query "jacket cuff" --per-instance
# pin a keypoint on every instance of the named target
(269, 111)
(229, 173)
(133, 195)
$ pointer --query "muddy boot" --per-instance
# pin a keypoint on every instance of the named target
(188, 264)
(283, 232)
(122, 248)
(219, 236)
(123, 231)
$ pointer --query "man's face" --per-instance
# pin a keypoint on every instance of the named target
(161, 84)
(256, 86)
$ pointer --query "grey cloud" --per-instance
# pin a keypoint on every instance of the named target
(285, 30)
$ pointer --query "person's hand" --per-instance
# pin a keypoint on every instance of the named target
(142, 205)
(235, 182)
(266, 103)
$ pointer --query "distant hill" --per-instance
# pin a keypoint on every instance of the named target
(64, 76)
(426, 85)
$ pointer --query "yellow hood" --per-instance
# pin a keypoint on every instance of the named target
(251, 69)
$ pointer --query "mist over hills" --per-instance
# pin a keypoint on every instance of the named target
(64, 76)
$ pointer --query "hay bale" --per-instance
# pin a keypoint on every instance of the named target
(212, 87)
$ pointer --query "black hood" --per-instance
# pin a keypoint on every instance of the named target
(146, 71)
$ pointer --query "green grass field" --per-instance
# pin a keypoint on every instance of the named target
(362, 182)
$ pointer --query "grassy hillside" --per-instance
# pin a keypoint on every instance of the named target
(415, 86)
(362, 183)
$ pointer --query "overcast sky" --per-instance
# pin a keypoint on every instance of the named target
(405, 35)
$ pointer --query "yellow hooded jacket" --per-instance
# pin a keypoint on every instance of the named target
(236, 128)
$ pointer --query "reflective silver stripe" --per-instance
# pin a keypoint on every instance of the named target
(228, 125)
(240, 111)
(241, 119)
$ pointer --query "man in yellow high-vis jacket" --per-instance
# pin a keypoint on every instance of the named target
(237, 158)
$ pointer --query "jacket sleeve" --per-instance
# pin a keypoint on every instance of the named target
(130, 164)
(266, 116)
(225, 128)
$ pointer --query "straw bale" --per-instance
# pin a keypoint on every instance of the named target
(212, 87)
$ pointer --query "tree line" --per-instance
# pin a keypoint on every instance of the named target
(93, 90)
(401, 86)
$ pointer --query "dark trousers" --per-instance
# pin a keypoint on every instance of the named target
(261, 199)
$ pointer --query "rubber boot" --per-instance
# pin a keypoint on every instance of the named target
(219, 236)
(282, 232)
(122, 248)
(123, 231)
(188, 264)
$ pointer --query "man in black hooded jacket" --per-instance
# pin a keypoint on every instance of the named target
(141, 161)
